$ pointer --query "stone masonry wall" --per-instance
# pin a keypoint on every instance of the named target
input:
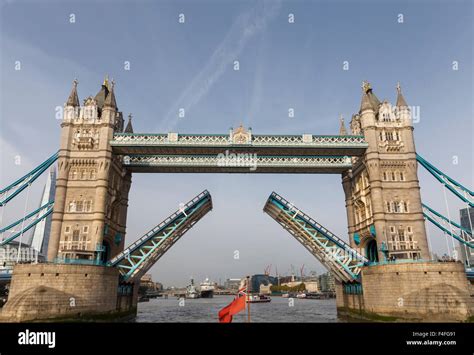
(47, 291)
(425, 291)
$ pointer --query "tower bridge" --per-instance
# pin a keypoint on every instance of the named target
(387, 256)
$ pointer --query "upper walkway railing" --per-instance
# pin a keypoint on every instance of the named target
(226, 139)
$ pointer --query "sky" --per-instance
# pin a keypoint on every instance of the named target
(282, 65)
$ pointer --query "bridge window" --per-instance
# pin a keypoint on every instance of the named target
(85, 229)
(405, 206)
(389, 136)
(385, 176)
(389, 207)
(393, 176)
(79, 206)
(402, 176)
(401, 235)
(397, 207)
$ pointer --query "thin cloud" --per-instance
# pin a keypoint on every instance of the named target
(245, 27)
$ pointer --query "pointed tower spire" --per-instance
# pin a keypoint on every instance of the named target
(129, 128)
(102, 94)
(110, 99)
(400, 99)
(342, 129)
(106, 82)
(365, 103)
(73, 99)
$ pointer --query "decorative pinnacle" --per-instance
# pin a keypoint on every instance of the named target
(366, 86)
(342, 128)
(129, 116)
(399, 88)
(75, 82)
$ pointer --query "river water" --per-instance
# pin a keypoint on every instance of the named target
(206, 310)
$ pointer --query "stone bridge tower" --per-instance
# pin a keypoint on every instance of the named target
(382, 192)
(90, 209)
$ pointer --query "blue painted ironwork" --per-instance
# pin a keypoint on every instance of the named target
(78, 261)
(8, 193)
(455, 187)
(353, 288)
(26, 223)
(331, 251)
(447, 226)
(6, 274)
(139, 257)
(356, 238)
(233, 163)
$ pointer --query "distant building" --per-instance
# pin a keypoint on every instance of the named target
(286, 279)
(257, 280)
(327, 282)
(465, 253)
(312, 286)
(265, 289)
(147, 282)
(232, 284)
(39, 239)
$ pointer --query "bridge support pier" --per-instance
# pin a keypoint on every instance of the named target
(412, 291)
(46, 292)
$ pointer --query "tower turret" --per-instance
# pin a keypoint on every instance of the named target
(342, 128)
(89, 216)
(382, 191)
(129, 128)
(73, 99)
(71, 107)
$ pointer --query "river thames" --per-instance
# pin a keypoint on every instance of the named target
(206, 309)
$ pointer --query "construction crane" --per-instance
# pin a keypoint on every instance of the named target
(267, 270)
(301, 272)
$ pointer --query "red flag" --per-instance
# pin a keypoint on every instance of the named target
(224, 314)
(237, 305)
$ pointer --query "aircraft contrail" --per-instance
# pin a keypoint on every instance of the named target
(242, 30)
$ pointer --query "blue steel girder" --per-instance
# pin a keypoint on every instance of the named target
(140, 256)
(447, 226)
(22, 183)
(25, 223)
(452, 185)
(233, 163)
(335, 254)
